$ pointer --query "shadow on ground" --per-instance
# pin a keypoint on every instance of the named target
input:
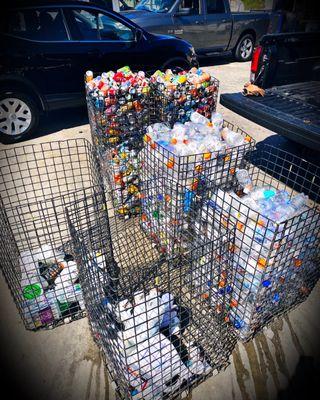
(304, 383)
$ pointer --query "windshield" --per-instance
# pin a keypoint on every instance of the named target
(155, 5)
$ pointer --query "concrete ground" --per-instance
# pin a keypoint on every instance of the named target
(64, 364)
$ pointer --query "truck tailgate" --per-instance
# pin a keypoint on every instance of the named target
(290, 110)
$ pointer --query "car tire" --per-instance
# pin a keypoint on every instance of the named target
(244, 48)
(19, 116)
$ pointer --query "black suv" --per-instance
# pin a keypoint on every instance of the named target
(46, 48)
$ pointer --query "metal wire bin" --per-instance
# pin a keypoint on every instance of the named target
(118, 119)
(195, 170)
(37, 182)
(276, 251)
(176, 97)
(158, 336)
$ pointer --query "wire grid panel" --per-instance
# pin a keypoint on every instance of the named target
(159, 336)
(168, 213)
(275, 264)
(37, 183)
(176, 102)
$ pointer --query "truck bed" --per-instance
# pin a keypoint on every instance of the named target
(289, 110)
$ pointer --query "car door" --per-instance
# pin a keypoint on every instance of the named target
(189, 22)
(100, 41)
(218, 24)
(43, 44)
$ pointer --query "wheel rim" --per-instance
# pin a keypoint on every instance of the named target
(15, 116)
(246, 48)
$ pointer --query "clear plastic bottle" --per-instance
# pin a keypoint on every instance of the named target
(262, 192)
(198, 118)
(244, 180)
(217, 121)
(299, 201)
(231, 137)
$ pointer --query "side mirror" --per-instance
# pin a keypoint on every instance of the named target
(182, 12)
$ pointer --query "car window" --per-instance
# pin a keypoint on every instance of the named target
(36, 24)
(98, 26)
(87, 24)
(111, 29)
(215, 6)
(191, 5)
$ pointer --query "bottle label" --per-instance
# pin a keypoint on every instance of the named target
(46, 316)
(32, 291)
(49, 270)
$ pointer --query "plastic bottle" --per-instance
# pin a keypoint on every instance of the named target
(244, 180)
(231, 137)
(89, 76)
(217, 121)
(299, 201)
(262, 192)
(198, 118)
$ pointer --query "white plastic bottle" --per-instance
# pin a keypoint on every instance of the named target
(217, 121)
(244, 180)
(198, 118)
(231, 137)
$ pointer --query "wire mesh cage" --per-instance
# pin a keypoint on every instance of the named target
(119, 109)
(276, 250)
(177, 95)
(37, 182)
(196, 169)
(160, 337)
(122, 105)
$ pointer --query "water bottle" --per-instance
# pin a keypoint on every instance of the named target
(262, 192)
(198, 118)
(299, 201)
(232, 138)
(244, 180)
(217, 121)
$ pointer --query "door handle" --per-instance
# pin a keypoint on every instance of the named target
(224, 20)
(199, 23)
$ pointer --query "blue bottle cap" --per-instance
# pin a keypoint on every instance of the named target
(105, 302)
(238, 324)
(276, 297)
(269, 193)
(266, 283)
(229, 289)
(209, 283)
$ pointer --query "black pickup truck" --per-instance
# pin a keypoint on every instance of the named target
(287, 66)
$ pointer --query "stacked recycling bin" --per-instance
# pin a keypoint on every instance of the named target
(119, 106)
(276, 255)
(158, 336)
(144, 305)
(194, 157)
(37, 182)
(177, 95)
(122, 104)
